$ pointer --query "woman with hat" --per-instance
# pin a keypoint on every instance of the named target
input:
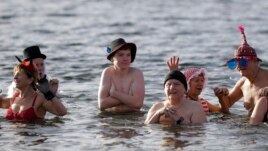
(33, 53)
(252, 86)
(176, 109)
(121, 87)
(196, 81)
(27, 104)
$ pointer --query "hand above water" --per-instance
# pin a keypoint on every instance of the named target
(219, 92)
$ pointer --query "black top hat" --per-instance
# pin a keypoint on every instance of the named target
(119, 44)
(32, 52)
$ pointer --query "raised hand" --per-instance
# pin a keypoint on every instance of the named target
(43, 86)
(173, 63)
(54, 85)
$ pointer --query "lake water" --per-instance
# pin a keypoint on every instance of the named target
(74, 36)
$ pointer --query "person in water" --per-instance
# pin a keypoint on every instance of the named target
(196, 81)
(252, 86)
(34, 54)
(176, 109)
(27, 104)
(121, 87)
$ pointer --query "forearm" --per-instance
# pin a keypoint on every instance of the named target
(135, 101)
(4, 102)
(154, 118)
(108, 102)
(121, 108)
(59, 108)
(225, 104)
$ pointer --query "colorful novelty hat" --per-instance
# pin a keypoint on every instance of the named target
(245, 49)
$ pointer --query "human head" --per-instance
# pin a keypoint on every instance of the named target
(33, 53)
(119, 44)
(194, 73)
(243, 53)
(177, 75)
(29, 69)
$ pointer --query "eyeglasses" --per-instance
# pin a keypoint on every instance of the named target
(241, 61)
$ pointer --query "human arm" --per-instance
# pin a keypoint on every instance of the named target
(121, 108)
(137, 89)
(259, 112)
(226, 98)
(54, 106)
(4, 102)
(213, 108)
(154, 113)
(104, 99)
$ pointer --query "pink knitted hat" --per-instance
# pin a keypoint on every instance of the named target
(245, 49)
(195, 72)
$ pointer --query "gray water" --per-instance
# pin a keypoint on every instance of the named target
(74, 36)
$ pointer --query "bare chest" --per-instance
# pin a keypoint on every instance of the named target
(20, 105)
(123, 84)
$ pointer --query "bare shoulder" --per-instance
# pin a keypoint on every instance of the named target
(107, 70)
(240, 82)
(135, 70)
(157, 105)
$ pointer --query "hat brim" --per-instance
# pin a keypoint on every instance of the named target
(132, 47)
(37, 56)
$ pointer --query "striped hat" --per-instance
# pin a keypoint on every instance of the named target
(195, 72)
(245, 49)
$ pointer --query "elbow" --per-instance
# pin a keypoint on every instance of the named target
(138, 104)
(101, 106)
(63, 112)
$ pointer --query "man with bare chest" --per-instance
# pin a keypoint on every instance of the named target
(121, 87)
(252, 86)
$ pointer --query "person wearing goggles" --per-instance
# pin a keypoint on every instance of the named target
(252, 86)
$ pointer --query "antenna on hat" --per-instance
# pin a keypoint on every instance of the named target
(18, 59)
(241, 28)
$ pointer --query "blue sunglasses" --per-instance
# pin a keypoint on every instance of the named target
(233, 63)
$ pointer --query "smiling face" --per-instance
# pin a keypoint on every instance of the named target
(174, 89)
(197, 85)
(122, 58)
(25, 75)
(21, 79)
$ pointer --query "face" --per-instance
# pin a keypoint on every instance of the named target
(122, 58)
(21, 79)
(40, 65)
(197, 85)
(246, 71)
(174, 89)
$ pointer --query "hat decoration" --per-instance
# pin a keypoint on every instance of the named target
(245, 49)
(119, 44)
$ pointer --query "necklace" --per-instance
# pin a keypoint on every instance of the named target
(253, 79)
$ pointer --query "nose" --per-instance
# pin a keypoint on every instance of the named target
(16, 76)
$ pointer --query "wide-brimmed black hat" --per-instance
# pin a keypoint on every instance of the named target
(32, 52)
(118, 44)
